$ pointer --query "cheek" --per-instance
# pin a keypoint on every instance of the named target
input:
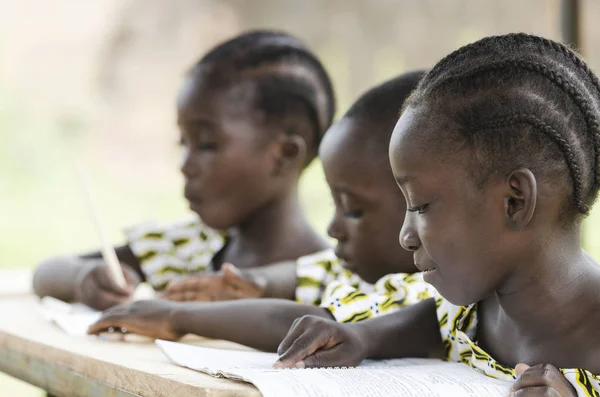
(375, 245)
(448, 241)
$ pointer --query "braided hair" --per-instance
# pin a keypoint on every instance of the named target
(292, 86)
(519, 100)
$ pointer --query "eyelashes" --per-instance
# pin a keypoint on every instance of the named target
(420, 209)
(354, 214)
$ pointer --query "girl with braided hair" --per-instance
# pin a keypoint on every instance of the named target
(497, 154)
(251, 113)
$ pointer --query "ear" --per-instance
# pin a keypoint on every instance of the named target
(291, 154)
(521, 199)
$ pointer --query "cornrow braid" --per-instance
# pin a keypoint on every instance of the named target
(502, 82)
(290, 80)
(552, 133)
(480, 47)
(555, 77)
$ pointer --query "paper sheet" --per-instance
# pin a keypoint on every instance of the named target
(75, 318)
(399, 377)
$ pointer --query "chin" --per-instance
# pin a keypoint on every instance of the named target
(457, 297)
(214, 220)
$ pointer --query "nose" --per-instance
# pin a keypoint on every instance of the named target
(187, 166)
(336, 227)
(409, 238)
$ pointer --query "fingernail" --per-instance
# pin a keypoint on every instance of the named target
(300, 364)
(277, 365)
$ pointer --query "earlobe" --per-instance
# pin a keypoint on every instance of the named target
(521, 199)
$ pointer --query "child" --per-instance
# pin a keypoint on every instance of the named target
(497, 155)
(366, 222)
(251, 113)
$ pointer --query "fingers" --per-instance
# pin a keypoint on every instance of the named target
(194, 283)
(520, 368)
(103, 278)
(131, 277)
(230, 272)
(543, 378)
(538, 391)
(340, 355)
(302, 341)
(294, 333)
(107, 322)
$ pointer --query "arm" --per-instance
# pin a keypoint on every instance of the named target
(258, 323)
(59, 277)
(279, 279)
(412, 331)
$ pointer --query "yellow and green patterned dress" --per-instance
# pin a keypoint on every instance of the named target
(458, 324)
(167, 251)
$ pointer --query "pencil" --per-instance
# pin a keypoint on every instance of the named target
(108, 252)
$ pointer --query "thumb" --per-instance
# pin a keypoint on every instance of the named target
(520, 368)
(231, 273)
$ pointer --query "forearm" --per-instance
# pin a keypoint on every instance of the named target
(412, 331)
(258, 323)
(56, 277)
(280, 279)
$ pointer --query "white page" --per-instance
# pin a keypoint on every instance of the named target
(75, 318)
(441, 380)
(211, 359)
(398, 377)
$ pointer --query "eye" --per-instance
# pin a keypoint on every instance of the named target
(350, 207)
(354, 214)
(206, 146)
(420, 209)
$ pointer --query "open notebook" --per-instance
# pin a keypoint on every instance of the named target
(398, 377)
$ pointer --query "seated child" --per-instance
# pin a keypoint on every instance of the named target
(252, 113)
(497, 155)
(366, 223)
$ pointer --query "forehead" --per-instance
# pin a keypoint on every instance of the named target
(420, 151)
(204, 95)
(353, 155)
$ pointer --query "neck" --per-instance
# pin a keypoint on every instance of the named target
(279, 219)
(552, 291)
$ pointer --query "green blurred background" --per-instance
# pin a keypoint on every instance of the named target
(97, 79)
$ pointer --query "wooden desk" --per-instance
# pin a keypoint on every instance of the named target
(37, 352)
(15, 282)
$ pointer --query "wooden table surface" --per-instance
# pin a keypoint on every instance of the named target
(39, 353)
(15, 282)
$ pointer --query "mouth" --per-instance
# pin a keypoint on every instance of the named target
(425, 270)
(190, 195)
(346, 265)
(344, 261)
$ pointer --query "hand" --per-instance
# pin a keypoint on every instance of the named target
(152, 318)
(543, 380)
(96, 287)
(317, 342)
(229, 284)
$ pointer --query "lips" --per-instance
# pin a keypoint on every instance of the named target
(423, 267)
(190, 194)
(343, 257)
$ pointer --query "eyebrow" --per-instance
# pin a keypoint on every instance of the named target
(358, 196)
